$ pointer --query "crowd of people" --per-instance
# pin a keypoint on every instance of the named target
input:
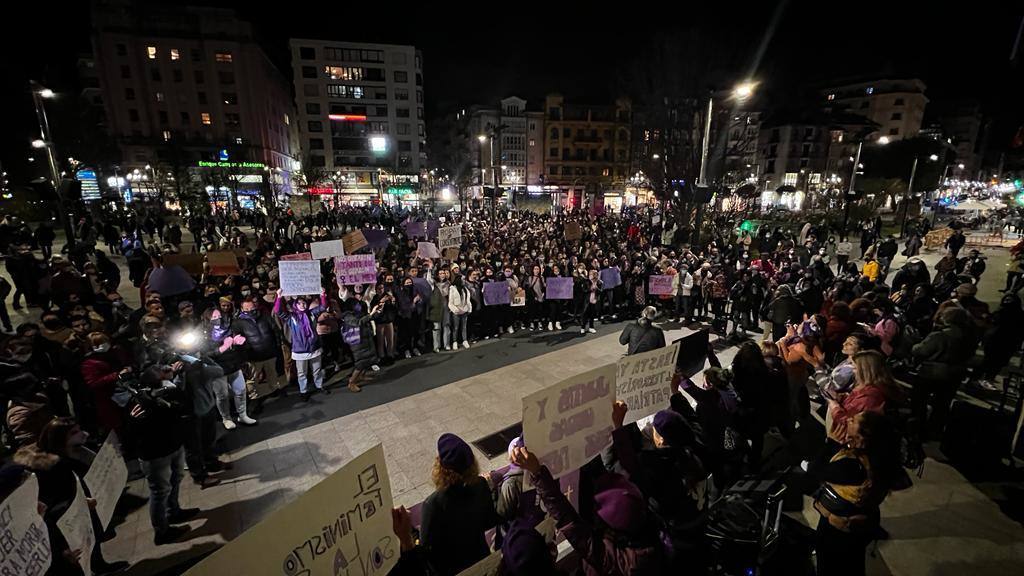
(209, 349)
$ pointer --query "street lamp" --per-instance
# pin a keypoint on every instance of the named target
(37, 143)
(40, 93)
(744, 90)
(935, 158)
(883, 140)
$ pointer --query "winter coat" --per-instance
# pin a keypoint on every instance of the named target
(863, 398)
(682, 283)
(159, 430)
(785, 309)
(871, 270)
(302, 343)
(601, 553)
(641, 338)
(460, 302)
(944, 354)
(454, 521)
(261, 341)
(100, 373)
(364, 352)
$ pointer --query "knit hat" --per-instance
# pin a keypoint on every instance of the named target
(524, 551)
(671, 426)
(454, 453)
(619, 503)
(966, 289)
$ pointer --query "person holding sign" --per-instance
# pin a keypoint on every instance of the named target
(59, 472)
(358, 335)
(587, 292)
(300, 322)
(555, 305)
(535, 298)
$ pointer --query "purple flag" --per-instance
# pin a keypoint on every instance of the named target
(559, 288)
(497, 293)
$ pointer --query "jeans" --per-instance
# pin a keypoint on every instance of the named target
(318, 373)
(223, 388)
(199, 452)
(164, 477)
(265, 379)
(459, 327)
(683, 307)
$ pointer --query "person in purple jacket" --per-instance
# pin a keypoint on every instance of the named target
(300, 323)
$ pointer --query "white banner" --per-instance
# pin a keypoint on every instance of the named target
(76, 525)
(340, 526)
(300, 277)
(25, 548)
(644, 381)
(569, 423)
(106, 478)
(449, 237)
(327, 249)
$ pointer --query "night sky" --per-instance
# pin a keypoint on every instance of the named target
(591, 52)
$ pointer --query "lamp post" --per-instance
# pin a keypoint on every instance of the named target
(850, 192)
(39, 93)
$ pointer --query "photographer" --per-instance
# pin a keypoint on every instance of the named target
(156, 416)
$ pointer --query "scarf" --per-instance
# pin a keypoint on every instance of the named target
(302, 320)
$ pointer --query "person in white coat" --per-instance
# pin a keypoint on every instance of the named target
(460, 305)
(682, 286)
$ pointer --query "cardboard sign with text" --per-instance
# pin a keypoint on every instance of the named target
(569, 423)
(660, 284)
(573, 231)
(427, 250)
(223, 263)
(191, 263)
(26, 543)
(340, 526)
(449, 237)
(355, 269)
(644, 381)
(326, 249)
(353, 241)
(519, 298)
(297, 256)
(300, 277)
(107, 477)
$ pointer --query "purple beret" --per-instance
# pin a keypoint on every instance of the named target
(454, 453)
(619, 503)
(524, 551)
(671, 426)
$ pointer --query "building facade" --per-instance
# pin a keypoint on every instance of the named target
(964, 122)
(587, 150)
(897, 105)
(795, 156)
(360, 109)
(186, 92)
(507, 142)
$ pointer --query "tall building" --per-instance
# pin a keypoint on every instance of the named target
(795, 155)
(509, 139)
(896, 105)
(587, 150)
(188, 93)
(361, 115)
(964, 123)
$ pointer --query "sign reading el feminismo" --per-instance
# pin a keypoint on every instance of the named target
(571, 422)
(341, 526)
(644, 381)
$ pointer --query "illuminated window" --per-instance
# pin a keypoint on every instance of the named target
(151, 52)
(344, 72)
(175, 55)
(167, 135)
(287, 120)
(224, 57)
(831, 97)
(159, 96)
(869, 90)
(401, 94)
(205, 116)
(238, 140)
(789, 179)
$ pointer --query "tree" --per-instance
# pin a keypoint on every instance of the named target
(450, 152)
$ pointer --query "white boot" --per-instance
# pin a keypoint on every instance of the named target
(243, 417)
(550, 327)
(465, 344)
(511, 330)
(228, 424)
(558, 325)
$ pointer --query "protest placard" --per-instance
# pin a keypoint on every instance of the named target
(26, 543)
(375, 239)
(570, 422)
(693, 352)
(558, 288)
(644, 381)
(299, 277)
(449, 237)
(450, 254)
(298, 256)
(353, 241)
(427, 250)
(107, 477)
(192, 263)
(355, 269)
(76, 525)
(610, 278)
(519, 298)
(340, 526)
(573, 231)
(326, 249)
(415, 229)
(496, 293)
(660, 284)
(223, 263)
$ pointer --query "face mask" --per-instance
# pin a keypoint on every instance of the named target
(508, 273)
(102, 348)
(246, 292)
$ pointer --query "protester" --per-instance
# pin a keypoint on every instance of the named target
(643, 335)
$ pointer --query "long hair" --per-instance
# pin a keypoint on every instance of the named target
(54, 436)
(444, 477)
(872, 371)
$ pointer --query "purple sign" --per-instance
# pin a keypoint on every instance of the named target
(660, 285)
(497, 293)
(355, 269)
(416, 229)
(376, 239)
(558, 288)
(610, 278)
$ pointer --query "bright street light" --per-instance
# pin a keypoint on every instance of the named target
(744, 90)
(655, 156)
(482, 138)
(960, 166)
(38, 144)
(46, 93)
(883, 140)
(935, 157)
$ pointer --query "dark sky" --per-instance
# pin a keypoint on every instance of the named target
(585, 50)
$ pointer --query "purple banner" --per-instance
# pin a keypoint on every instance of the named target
(558, 288)
(497, 293)
(610, 278)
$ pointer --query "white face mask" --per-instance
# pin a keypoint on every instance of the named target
(102, 347)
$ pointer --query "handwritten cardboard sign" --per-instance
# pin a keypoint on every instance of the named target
(353, 241)
(223, 263)
(660, 284)
(519, 298)
(26, 543)
(191, 263)
(610, 278)
(449, 237)
(107, 477)
(416, 229)
(355, 269)
(644, 381)
(76, 525)
(496, 293)
(427, 250)
(558, 288)
(297, 256)
(300, 277)
(573, 231)
(327, 249)
(570, 422)
(340, 526)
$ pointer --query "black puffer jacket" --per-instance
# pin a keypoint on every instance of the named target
(641, 338)
(364, 351)
(261, 340)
